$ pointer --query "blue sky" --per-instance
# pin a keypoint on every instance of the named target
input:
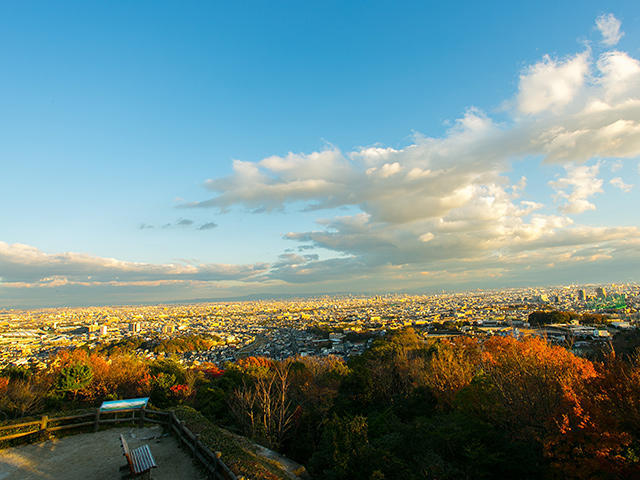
(408, 122)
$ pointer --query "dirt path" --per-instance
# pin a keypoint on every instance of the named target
(287, 465)
(95, 456)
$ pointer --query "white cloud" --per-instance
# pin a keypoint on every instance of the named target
(577, 187)
(619, 77)
(444, 205)
(27, 265)
(438, 209)
(619, 183)
(519, 187)
(426, 237)
(551, 84)
(609, 27)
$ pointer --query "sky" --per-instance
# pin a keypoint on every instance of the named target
(166, 151)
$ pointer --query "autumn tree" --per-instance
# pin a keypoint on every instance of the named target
(524, 382)
(262, 403)
(598, 435)
(21, 396)
(127, 377)
(451, 367)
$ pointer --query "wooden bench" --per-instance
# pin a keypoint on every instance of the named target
(140, 461)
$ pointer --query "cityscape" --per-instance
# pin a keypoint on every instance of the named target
(342, 326)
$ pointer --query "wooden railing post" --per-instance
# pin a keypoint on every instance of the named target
(142, 417)
(97, 421)
(43, 422)
(217, 464)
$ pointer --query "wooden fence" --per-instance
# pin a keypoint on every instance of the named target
(92, 420)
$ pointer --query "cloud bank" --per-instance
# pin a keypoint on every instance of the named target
(446, 205)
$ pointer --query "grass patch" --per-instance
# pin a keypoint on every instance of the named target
(238, 453)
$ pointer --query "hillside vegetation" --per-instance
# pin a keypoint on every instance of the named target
(405, 409)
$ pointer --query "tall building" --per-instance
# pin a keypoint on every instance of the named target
(168, 328)
(582, 295)
(542, 298)
(134, 327)
(601, 292)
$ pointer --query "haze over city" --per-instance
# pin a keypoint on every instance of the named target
(170, 152)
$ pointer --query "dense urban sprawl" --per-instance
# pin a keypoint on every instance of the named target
(316, 326)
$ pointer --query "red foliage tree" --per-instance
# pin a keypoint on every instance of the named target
(212, 371)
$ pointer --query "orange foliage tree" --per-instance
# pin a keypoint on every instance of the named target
(598, 435)
(525, 383)
(119, 376)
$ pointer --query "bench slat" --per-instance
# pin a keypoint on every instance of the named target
(142, 459)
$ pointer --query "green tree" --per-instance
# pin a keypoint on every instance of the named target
(74, 378)
(344, 450)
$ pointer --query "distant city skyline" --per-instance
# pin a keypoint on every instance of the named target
(158, 152)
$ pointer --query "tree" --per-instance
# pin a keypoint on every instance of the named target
(598, 433)
(524, 383)
(262, 403)
(387, 373)
(127, 377)
(451, 368)
(540, 318)
(74, 378)
(19, 397)
(344, 450)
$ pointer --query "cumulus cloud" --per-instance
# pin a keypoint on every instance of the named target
(575, 109)
(577, 187)
(440, 209)
(552, 84)
(609, 27)
(619, 183)
(619, 77)
(446, 203)
(544, 250)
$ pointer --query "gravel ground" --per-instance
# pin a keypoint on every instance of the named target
(96, 456)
